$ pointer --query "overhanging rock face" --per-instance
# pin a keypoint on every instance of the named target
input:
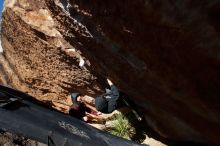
(46, 65)
(163, 54)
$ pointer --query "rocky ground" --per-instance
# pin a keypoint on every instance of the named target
(8, 139)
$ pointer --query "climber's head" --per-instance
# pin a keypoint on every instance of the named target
(75, 97)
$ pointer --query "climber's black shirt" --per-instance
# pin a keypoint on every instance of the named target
(108, 102)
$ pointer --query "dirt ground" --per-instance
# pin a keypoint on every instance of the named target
(8, 139)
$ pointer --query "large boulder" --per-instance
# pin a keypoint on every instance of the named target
(163, 54)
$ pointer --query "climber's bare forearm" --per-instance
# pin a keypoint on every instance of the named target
(90, 107)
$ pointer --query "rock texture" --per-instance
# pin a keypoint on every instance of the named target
(44, 63)
(163, 54)
(8, 139)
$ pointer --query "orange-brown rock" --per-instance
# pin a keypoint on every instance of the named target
(163, 54)
(43, 63)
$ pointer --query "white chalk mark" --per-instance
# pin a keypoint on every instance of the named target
(81, 62)
(1, 49)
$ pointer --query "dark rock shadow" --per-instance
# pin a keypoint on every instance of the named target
(141, 128)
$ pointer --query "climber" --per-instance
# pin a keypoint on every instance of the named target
(88, 108)
(109, 101)
(105, 103)
(114, 99)
(82, 108)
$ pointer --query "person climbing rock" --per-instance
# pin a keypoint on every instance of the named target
(109, 101)
(88, 108)
(114, 99)
(105, 103)
(82, 109)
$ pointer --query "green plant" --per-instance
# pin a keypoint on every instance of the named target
(120, 127)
